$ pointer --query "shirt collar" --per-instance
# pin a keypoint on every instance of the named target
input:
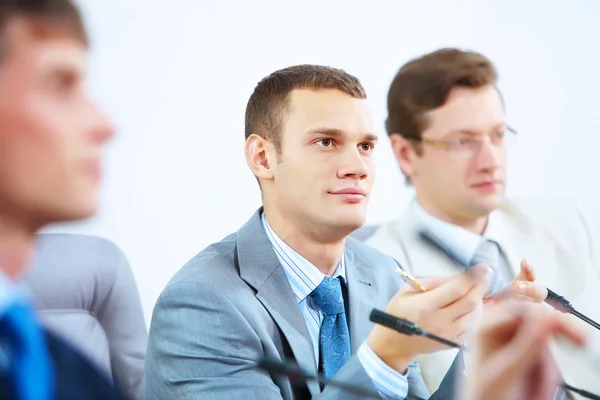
(461, 241)
(303, 276)
(12, 291)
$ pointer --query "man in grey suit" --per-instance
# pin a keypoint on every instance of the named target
(290, 284)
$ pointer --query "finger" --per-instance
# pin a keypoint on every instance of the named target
(482, 276)
(526, 273)
(433, 281)
(513, 360)
(448, 292)
(428, 283)
(528, 270)
(464, 326)
(497, 316)
(530, 291)
(465, 306)
(560, 324)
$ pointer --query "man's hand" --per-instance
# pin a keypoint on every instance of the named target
(447, 309)
(523, 287)
(509, 353)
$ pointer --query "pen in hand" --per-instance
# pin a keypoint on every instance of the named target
(410, 280)
(416, 285)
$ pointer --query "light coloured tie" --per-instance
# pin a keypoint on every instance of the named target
(488, 253)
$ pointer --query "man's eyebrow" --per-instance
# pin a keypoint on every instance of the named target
(472, 132)
(334, 132)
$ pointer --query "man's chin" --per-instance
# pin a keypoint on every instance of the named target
(73, 212)
(486, 206)
(349, 222)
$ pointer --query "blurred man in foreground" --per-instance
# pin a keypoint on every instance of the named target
(51, 137)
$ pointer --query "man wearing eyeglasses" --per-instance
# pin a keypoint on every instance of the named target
(449, 134)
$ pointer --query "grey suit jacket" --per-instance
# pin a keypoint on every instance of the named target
(232, 305)
(85, 292)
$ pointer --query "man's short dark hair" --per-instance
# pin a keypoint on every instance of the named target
(46, 16)
(424, 83)
(268, 105)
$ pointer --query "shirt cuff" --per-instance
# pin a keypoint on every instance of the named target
(390, 384)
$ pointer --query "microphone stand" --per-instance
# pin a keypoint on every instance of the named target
(298, 376)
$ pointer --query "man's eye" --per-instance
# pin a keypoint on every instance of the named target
(367, 146)
(325, 142)
(462, 142)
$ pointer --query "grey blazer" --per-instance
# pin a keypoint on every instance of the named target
(232, 304)
(85, 292)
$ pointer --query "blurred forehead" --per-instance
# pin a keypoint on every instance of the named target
(27, 50)
(469, 109)
(24, 32)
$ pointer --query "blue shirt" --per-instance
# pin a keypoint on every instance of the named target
(10, 293)
(304, 278)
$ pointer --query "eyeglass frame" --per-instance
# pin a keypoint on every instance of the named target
(447, 144)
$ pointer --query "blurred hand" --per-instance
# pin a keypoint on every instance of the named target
(447, 309)
(509, 352)
(523, 287)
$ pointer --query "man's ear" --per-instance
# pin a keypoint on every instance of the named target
(404, 152)
(258, 152)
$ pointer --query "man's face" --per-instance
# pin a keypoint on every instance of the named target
(325, 174)
(51, 134)
(468, 180)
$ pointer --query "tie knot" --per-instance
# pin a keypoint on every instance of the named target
(328, 296)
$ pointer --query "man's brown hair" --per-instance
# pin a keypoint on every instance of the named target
(424, 83)
(269, 103)
(46, 16)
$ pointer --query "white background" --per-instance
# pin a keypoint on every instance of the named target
(176, 75)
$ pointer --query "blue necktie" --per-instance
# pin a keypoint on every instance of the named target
(334, 338)
(29, 367)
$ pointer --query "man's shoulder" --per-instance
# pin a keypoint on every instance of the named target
(211, 264)
(536, 207)
(543, 213)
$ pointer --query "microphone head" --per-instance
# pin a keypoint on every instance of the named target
(399, 324)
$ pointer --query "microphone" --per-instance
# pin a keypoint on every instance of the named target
(407, 327)
(563, 305)
(297, 377)
(584, 393)
(555, 300)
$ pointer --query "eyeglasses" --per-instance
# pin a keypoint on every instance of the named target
(466, 144)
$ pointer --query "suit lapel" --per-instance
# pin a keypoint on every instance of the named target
(260, 268)
(361, 288)
(520, 239)
(420, 258)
